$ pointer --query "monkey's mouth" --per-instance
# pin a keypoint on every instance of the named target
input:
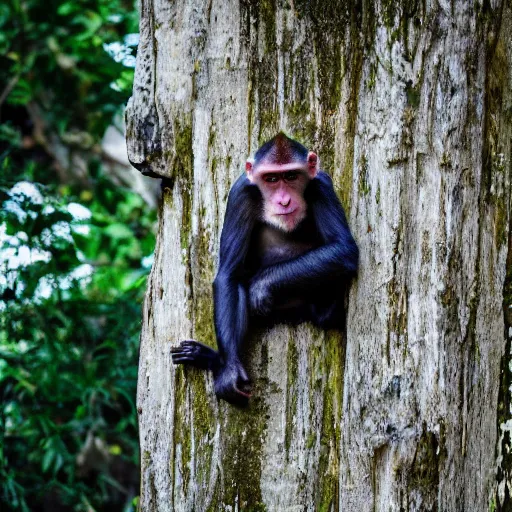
(286, 213)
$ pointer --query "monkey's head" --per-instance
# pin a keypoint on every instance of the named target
(281, 169)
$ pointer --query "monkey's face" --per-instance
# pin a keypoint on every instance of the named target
(282, 179)
(284, 205)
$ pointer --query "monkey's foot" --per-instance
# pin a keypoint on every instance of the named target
(233, 385)
(193, 353)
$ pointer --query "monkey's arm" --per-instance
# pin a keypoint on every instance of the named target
(316, 268)
(229, 294)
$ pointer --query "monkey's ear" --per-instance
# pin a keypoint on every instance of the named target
(249, 169)
(312, 164)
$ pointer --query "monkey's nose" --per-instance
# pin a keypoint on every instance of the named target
(285, 201)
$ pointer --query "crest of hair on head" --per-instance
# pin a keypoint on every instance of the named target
(281, 150)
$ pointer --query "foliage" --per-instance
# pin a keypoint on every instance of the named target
(74, 254)
(53, 54)
(68, 343)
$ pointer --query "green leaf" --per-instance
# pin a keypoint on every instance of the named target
(67, 8)
(21, 94)
(118, 231)
(47, 460)
(5, 14)
(91, 21)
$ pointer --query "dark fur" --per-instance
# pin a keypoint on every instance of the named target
(273, 277)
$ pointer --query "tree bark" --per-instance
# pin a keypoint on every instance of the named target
(409, 106)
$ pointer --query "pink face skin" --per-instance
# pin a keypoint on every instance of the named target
(282, 187)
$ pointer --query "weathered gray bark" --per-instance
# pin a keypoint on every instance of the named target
(408, 105)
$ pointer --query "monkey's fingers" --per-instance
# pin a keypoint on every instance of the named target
(182, 350)
(184, 344)
(194, 346)
(182, 358)
(201, 363)
(187, 347)
(192, 353)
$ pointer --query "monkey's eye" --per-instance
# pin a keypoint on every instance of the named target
(271, 178)
(291, 176)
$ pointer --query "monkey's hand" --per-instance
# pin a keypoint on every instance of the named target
(260, 296)
(232, 384)
(193, 353)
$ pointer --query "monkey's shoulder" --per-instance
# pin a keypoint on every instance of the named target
(324, 178)
(319, 186)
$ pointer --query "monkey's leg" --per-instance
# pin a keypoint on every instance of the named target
(193, 353)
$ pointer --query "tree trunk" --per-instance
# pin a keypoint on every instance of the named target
(409, 106)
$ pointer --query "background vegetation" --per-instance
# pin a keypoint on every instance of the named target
(74, 255)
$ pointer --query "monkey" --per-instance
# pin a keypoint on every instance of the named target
(285, 252)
